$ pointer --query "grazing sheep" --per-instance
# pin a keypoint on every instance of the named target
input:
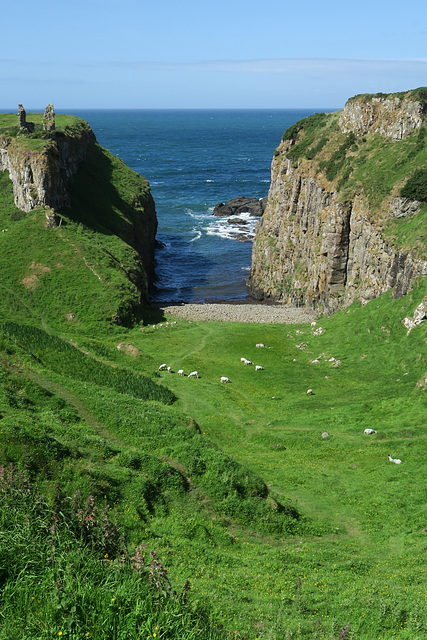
(225, 379)
(395, 460)
(244, 360)
(309, 392)
(163, 367)
(248, 362)
(260, 345)
(170, 369)
(258, 367)
(181, 372)
(193, 374)
(369, 432)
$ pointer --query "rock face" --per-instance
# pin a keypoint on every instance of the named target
(313, 246)
(233, 207)
(394, 117)
(40, 176)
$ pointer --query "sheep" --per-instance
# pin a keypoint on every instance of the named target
(169, 369)
(181, 372)
(193, 374)
(369, 432)
(248, 362)
(225, 379)
(395, 460)
(258, 367)
(163, 367)
(259, 344)
(244, 360)
(309, 392)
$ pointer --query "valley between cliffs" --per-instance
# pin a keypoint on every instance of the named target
(346, 211)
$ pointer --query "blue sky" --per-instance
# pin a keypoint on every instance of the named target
(195, 54)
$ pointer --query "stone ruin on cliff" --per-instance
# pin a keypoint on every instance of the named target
(23, 124)
(48, 119)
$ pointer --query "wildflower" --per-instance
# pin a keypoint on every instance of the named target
(59, 633)
(106, 555)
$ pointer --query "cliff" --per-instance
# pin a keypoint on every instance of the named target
(67, 187)
(346, 212)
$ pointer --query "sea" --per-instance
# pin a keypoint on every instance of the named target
(194, 159)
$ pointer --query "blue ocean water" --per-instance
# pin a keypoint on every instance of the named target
(194, 159)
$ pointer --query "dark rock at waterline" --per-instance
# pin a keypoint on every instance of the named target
(254, 206)
(241, 237)
(237, 221)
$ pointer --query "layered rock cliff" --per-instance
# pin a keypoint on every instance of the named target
(335, 225)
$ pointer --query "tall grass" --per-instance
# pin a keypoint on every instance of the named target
(65, 572)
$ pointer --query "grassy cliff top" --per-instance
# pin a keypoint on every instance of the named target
(9, 124)
(416, 95)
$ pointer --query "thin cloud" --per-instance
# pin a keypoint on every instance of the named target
(284, 65)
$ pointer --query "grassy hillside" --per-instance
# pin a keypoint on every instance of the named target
(280, 532)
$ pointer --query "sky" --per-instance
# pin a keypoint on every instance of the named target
(169, 54)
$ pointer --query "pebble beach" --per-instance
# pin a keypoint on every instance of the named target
(228, 312)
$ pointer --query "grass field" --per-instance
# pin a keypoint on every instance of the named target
(281, 533)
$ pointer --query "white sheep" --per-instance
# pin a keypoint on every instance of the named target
(170, 369)
(248, 362)
(258, 367)
(193, 374)
(181, 372)
(369, 432)
(395, 460)
(244, 360)
(163, 367)
(260, 345)
(309, 392)
(225, 379)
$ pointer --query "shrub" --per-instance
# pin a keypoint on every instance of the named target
(416, 186)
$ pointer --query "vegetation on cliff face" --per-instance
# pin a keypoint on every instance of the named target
(358, 175)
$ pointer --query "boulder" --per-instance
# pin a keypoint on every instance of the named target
(254, 206)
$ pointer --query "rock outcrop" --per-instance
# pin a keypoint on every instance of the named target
(321, 240)
(40, 173)
(254, 206)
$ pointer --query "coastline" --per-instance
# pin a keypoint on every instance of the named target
(238, 312)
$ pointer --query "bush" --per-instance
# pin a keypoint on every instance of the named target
(416, 186)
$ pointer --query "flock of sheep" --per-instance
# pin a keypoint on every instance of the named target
(258, 367)
(224, 379)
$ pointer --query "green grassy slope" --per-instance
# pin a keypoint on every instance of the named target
(282, 533)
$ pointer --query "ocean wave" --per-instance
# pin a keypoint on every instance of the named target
(197, 215)
(197, 236)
